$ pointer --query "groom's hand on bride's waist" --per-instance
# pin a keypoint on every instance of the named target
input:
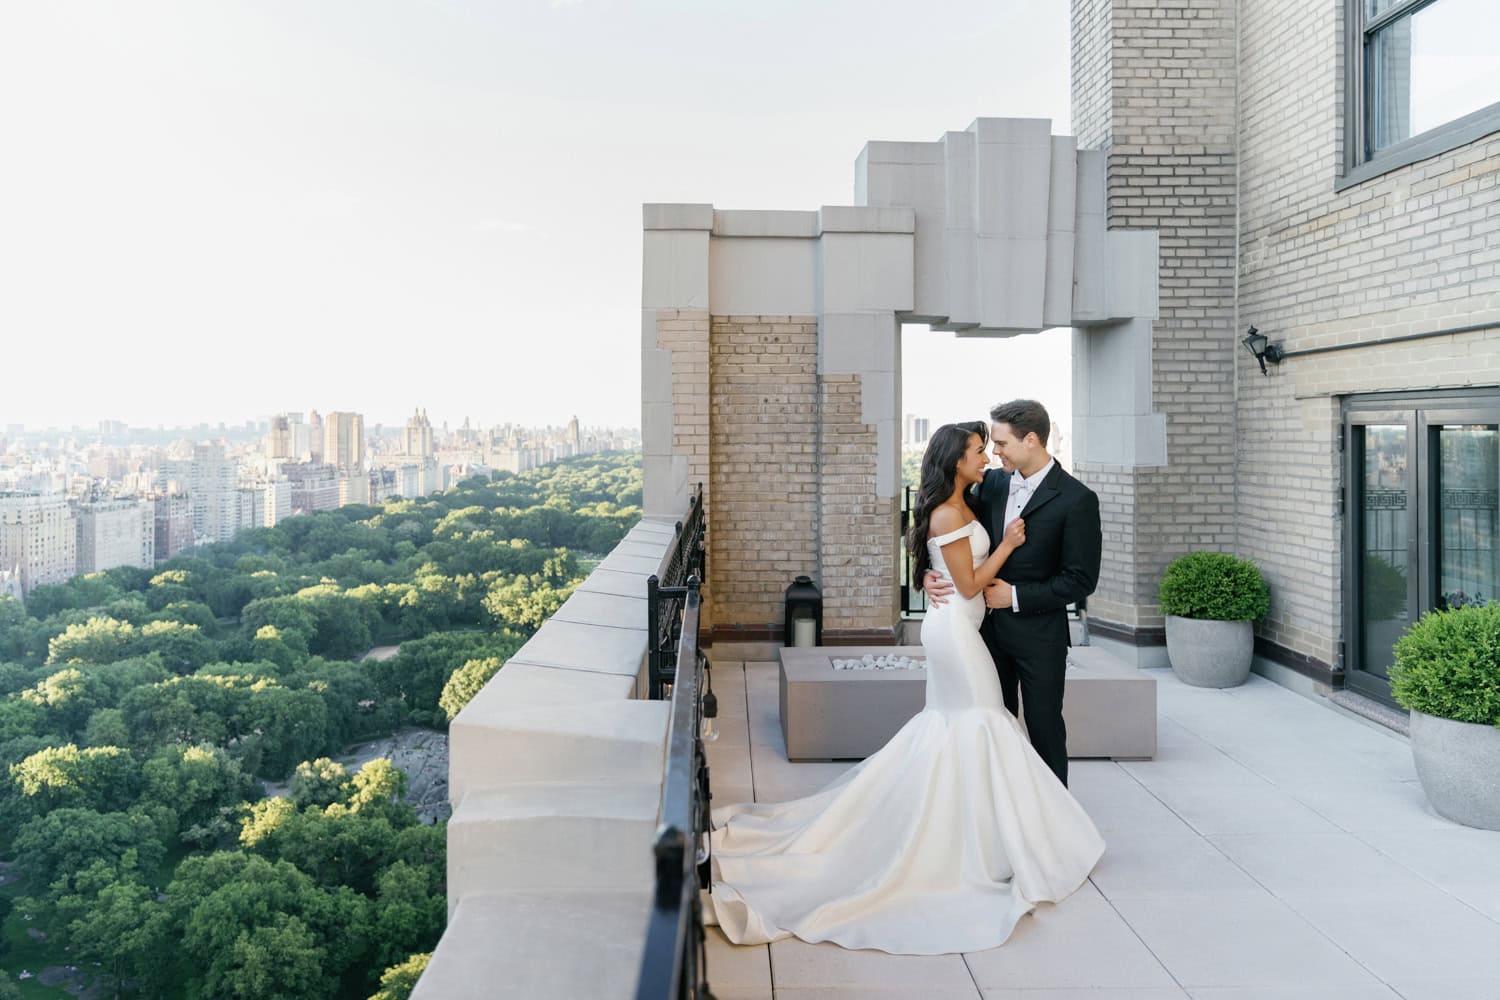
(997, 594)
(937, 587)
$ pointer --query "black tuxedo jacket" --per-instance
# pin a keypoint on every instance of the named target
(1059, 563)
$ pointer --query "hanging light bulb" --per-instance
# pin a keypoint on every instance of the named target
(710, 707)
(710, 717)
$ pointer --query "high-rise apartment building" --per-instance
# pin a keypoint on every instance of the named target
(314, 436)
(173, 520)
(211, 482)
(417, 442)
(279, 442)
(312, 486)
(38, 539)
(344, 441)
(115, 533)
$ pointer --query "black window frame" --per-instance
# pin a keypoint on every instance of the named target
(1359, 163)
(1423, 412)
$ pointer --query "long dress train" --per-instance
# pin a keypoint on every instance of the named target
(938, 842)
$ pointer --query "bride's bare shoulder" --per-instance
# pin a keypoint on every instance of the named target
(946, 518)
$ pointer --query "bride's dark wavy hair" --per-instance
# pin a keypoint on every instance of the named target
(939, 469)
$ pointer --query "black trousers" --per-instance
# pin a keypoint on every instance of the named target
(1031, 657)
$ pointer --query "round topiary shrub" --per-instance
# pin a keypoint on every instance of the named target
(1448, 665)
(1213, 586)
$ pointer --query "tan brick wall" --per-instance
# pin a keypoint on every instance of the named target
(857, 529)
(1092, 21)
(762, 463)
(1168, 84)
(1413, 250)
(1255, 464)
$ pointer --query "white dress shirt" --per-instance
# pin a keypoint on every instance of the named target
(1022, 489)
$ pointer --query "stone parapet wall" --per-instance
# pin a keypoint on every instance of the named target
(763, 464)
(555, 774)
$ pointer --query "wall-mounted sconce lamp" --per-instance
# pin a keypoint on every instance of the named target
(1262, 350)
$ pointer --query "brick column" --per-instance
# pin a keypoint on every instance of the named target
(1153, 85)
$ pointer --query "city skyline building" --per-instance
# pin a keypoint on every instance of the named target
(112, 533)
(344, 441)
(38, 540)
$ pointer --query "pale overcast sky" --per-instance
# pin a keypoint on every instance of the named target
(214, 210)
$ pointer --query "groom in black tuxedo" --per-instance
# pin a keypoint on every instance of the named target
(1026, 627)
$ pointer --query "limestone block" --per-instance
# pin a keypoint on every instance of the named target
(763, 223)
(529, 684)
(1012, 172)
(866, 272)
(656, 427)
(493, 746)
(762, 276)
(896, 218)
(630, 563)
(656, 374)
(665, 483)
(540, 943)
(603, 609)
(877, 398)
(1134, 265)
(1091, 254)
(677, 216)
(631, 547)
(675, 270)
(562, 836)
(579, 646)
(853, 342)
(653, 529)
(1138, 441)
(1011, 273)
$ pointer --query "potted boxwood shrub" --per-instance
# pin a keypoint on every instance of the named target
(1210, 600)
(1447, 671)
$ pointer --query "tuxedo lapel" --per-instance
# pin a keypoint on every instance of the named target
(1046, 492)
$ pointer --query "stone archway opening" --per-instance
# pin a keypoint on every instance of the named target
(946, 377)
(768, 337)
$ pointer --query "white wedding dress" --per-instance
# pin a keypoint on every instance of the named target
(939, 842)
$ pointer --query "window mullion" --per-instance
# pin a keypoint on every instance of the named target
(1396, 13)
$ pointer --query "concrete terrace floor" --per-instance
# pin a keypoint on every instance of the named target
(1276, 848)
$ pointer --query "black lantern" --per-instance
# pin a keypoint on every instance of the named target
(1261, 349)
(804, 614)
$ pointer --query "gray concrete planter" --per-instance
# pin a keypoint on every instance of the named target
(1210, 653)
(1458, 764)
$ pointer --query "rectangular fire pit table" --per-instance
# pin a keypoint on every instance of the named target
(827, 714)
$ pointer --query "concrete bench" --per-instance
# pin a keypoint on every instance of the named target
(827, 714)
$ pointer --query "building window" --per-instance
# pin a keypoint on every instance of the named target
(1420, 79)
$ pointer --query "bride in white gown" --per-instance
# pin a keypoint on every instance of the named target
(945, 837)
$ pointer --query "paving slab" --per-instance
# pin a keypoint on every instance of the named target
(1241, 939)
(1079, 942)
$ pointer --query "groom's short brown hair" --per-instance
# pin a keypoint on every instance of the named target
(1025, 416)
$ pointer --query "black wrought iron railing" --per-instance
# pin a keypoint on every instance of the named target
(674, 963)
(666, 593)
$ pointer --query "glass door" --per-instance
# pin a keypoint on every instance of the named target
(1422, 519)
(1387, 568)
(1467, 465)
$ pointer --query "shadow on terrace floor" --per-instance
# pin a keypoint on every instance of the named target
(1273, 849)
